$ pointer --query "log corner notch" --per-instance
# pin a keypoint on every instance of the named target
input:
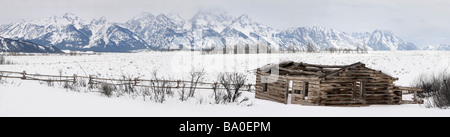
(343, 85)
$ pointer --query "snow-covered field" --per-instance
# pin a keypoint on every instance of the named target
(29, 98)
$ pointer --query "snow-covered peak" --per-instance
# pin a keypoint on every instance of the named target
(384, 40)
(99, 26)
(319, 36)
(213, 13)
(66, 19)
(244, 31)
(246, 24)
(387, 40)
(140, 21)
(244, 17)
(175, 16)
(144, 16)
(71, 17)
(244, 20)
(209, 19)
(99, 21)
(363, 37)
(384, 32)
(320, 29)
(20, 21)
(48, 31)
(205, 28)
(163, 17)
(171, 21)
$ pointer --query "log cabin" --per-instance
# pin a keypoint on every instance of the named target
(342, 85)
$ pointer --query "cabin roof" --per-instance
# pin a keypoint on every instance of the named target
(321, 71)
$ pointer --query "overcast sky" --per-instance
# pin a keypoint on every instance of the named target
(422, 22)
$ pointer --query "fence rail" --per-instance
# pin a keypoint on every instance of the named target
(114, 81)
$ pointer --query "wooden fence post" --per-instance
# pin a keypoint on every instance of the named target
(24, 75)
(135, 81)
(74, 78)
(416, 99)
(178, 83)
(90, 79)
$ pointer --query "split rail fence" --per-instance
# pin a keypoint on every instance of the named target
(117, 81)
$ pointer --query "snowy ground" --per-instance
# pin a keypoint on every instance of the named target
(29, 98)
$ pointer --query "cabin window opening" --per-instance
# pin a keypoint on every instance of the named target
(358, 91)
(291, 86)
(264, 87)
(306, 89)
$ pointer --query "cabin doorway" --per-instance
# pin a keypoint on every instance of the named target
(289, 90)
(358, 90)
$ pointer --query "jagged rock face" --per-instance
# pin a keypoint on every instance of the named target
(205, 29)
(322, 38)
(10, 45)
(244, 31)
(160, 32)
(386, 40)
(207, 19)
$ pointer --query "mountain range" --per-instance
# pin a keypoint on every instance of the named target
(205, 29)
(438, 47)
(10, 45)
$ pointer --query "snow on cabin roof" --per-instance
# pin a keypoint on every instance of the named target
(321, 71)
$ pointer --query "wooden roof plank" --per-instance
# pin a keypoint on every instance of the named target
(342, 69)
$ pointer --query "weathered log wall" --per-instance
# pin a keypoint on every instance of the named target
(359, 86)
(280, 86)
(352, 84)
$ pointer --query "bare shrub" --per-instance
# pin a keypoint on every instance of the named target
(4, 61)
(160, 88)
(436, 87)
(70, 86)
(219, 95)
(158, 91)
(168, 90)
(145, 91)
(429, 84)
(92, 86)
(127, 86)
(232, 82)
(238, 80)
(73, 53)
(195, 77)
(50, 83)
(182, 92)
(107, 89)
(80, 82)
(224, 80)
(1, 78)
